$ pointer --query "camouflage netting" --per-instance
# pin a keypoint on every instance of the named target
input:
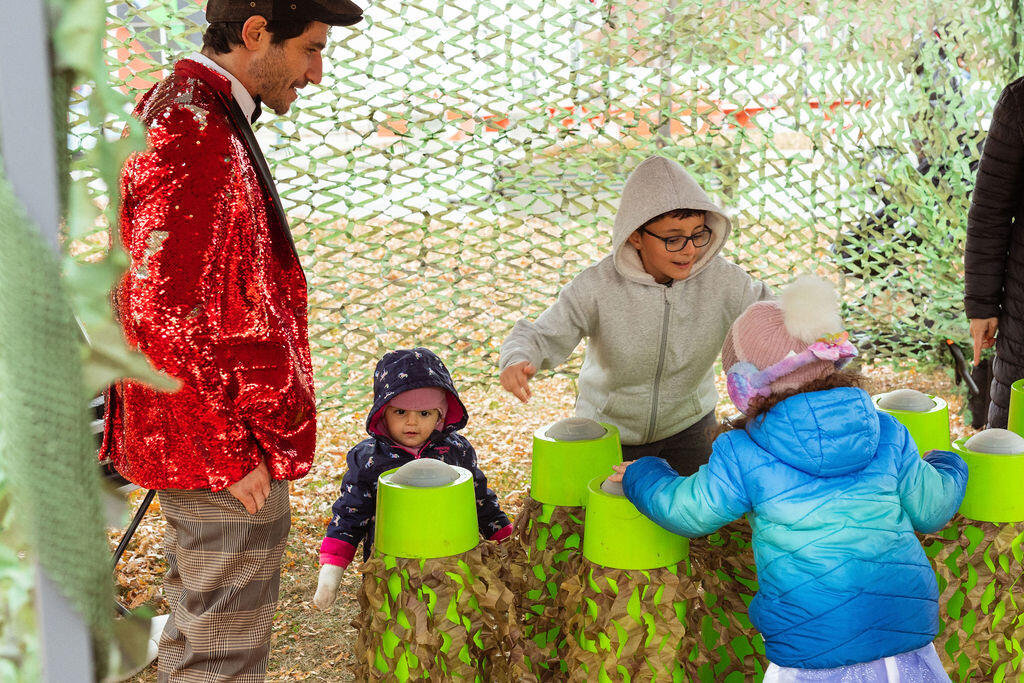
(449, 618)
(694, 628)
(632, 625)
(546, 549)
(461, 162)
(724, 562)
(46, 449)
(979, 567)
(50, 486)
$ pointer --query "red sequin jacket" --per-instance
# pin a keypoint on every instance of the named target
(214, 296)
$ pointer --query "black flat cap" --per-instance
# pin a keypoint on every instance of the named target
(332, 12)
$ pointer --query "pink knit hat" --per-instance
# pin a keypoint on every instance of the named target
(424, 398)
(778, 345)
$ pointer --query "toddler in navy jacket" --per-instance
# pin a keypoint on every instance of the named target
(416, 413)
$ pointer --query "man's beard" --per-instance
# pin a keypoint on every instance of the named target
(269, 74)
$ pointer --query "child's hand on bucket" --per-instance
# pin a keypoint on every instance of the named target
(327, 585)
(620, 470)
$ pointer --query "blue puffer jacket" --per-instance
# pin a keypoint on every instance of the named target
(834, 491)
(352, 515)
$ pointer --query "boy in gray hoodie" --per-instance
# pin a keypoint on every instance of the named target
(655, 313)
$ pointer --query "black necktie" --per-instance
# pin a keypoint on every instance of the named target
(257, 110)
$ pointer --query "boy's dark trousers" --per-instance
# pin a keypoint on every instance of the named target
(685, 451)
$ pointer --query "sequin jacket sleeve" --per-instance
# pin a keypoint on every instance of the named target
(214, 296)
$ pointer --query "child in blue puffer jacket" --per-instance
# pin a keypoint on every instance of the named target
(834, 491)
(416, 413)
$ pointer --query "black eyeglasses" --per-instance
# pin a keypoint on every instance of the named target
(678, 242)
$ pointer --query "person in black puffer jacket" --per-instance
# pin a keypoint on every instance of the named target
(994, 254)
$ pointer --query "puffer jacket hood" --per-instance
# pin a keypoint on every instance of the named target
(407, 369)
(823, 433)
(654, 187)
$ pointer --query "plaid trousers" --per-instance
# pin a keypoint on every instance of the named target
(222, 581)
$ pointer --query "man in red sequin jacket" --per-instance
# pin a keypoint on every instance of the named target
(215, 296)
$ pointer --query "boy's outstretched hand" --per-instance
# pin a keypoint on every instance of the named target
(516, 377)
(619, 471)
(327, 585)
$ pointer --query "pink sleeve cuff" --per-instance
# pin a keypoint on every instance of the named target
(502, 533)
(335, 551)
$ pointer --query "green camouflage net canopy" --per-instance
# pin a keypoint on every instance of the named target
(457, 166)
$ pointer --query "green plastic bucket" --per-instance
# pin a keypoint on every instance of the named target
(994, 485)
(425, 522)
(929, 429)
(1016, 421)
(561, 469)
(619, 536)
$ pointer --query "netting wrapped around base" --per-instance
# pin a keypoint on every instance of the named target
(631, 625)
(723, 563)
(546, 549)
(449, 618)
(979, 566)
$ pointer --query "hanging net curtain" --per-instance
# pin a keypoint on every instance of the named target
(457, 166)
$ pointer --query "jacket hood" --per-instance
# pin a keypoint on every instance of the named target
(407, 369)
(827, 433)
(654, 187)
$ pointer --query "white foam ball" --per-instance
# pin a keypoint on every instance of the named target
(997, 441)
(425, 473)
(613, 488)
(576, 429)
(910, 400)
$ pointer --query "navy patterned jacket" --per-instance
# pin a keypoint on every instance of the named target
(352, 516)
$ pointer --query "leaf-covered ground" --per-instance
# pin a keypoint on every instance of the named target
(309, 644)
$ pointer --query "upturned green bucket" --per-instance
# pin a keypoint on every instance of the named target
(619, 536)
(994, 485)
(929, 429)
(1016, 419)
(426, 522)
(562, 469)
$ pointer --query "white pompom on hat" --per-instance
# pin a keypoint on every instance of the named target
(768, 331)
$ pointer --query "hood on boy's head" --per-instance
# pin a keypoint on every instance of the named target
(407, 369)
(656, 186)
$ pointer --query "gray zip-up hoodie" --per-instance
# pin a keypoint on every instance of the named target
(648, 367)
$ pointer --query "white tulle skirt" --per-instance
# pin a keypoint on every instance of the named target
(917, 666)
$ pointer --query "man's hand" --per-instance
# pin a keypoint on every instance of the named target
(983, 332)
(252, 489)
(516, 377)
(327, 585)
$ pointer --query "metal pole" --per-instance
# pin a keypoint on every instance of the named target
(29, 154)
(26, 116)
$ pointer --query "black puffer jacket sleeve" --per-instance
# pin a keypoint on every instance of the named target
(352, 514)
(994, 254)
(490, 517)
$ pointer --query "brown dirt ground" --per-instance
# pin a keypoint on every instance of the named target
(309, 644)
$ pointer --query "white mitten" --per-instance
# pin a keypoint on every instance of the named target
(327, 585)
